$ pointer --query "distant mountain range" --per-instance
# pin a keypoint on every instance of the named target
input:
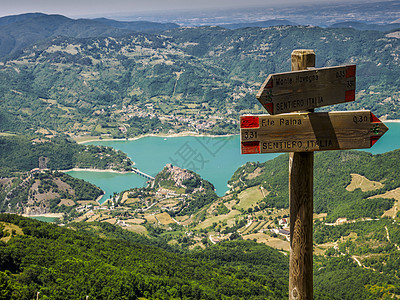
(17, 18)
(18, 32)
(139, 26)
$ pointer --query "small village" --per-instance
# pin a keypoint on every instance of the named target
(193, 117)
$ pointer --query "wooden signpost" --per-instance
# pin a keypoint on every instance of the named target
(302, 133)
(302, 90)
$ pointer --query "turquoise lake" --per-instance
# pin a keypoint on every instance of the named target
(214, 158)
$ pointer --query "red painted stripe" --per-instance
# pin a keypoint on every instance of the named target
(269, 107)
(250, 147)
(351, 71)
(374, 119)
(249, 122)
(350, 95)
(374, 139)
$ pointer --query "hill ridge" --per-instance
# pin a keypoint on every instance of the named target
(25, 30)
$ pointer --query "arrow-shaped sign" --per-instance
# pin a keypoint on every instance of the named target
(303, 90)
(302, 132)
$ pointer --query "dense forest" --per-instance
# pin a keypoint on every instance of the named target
(65, 264)
(20, 153)
(61, 263)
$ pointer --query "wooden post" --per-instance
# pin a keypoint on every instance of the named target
(301, 165)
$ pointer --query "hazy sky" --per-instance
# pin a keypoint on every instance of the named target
(82, 8)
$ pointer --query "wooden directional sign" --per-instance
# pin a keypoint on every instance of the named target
(303, 90)
(305, 132)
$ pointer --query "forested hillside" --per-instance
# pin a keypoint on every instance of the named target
(22, 153)
(61, 263)
(334, 173)
(35, 193)
(65, 264)
(197, 79)
(31, 184)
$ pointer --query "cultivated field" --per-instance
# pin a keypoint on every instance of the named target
(230, 217)
(164, 218)
(250, 197)
(363, 183)
(395, 194)
(9, 228)
(137, 229)
(276, 243)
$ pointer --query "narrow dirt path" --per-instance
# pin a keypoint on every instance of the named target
(388, 238)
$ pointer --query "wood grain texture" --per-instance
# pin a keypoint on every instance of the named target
(301, 168)
(302, 90)
(304, 132)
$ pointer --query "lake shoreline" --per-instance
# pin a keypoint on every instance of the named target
(45, 215)
(216, 161)
(174, 135)
(96, 170)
